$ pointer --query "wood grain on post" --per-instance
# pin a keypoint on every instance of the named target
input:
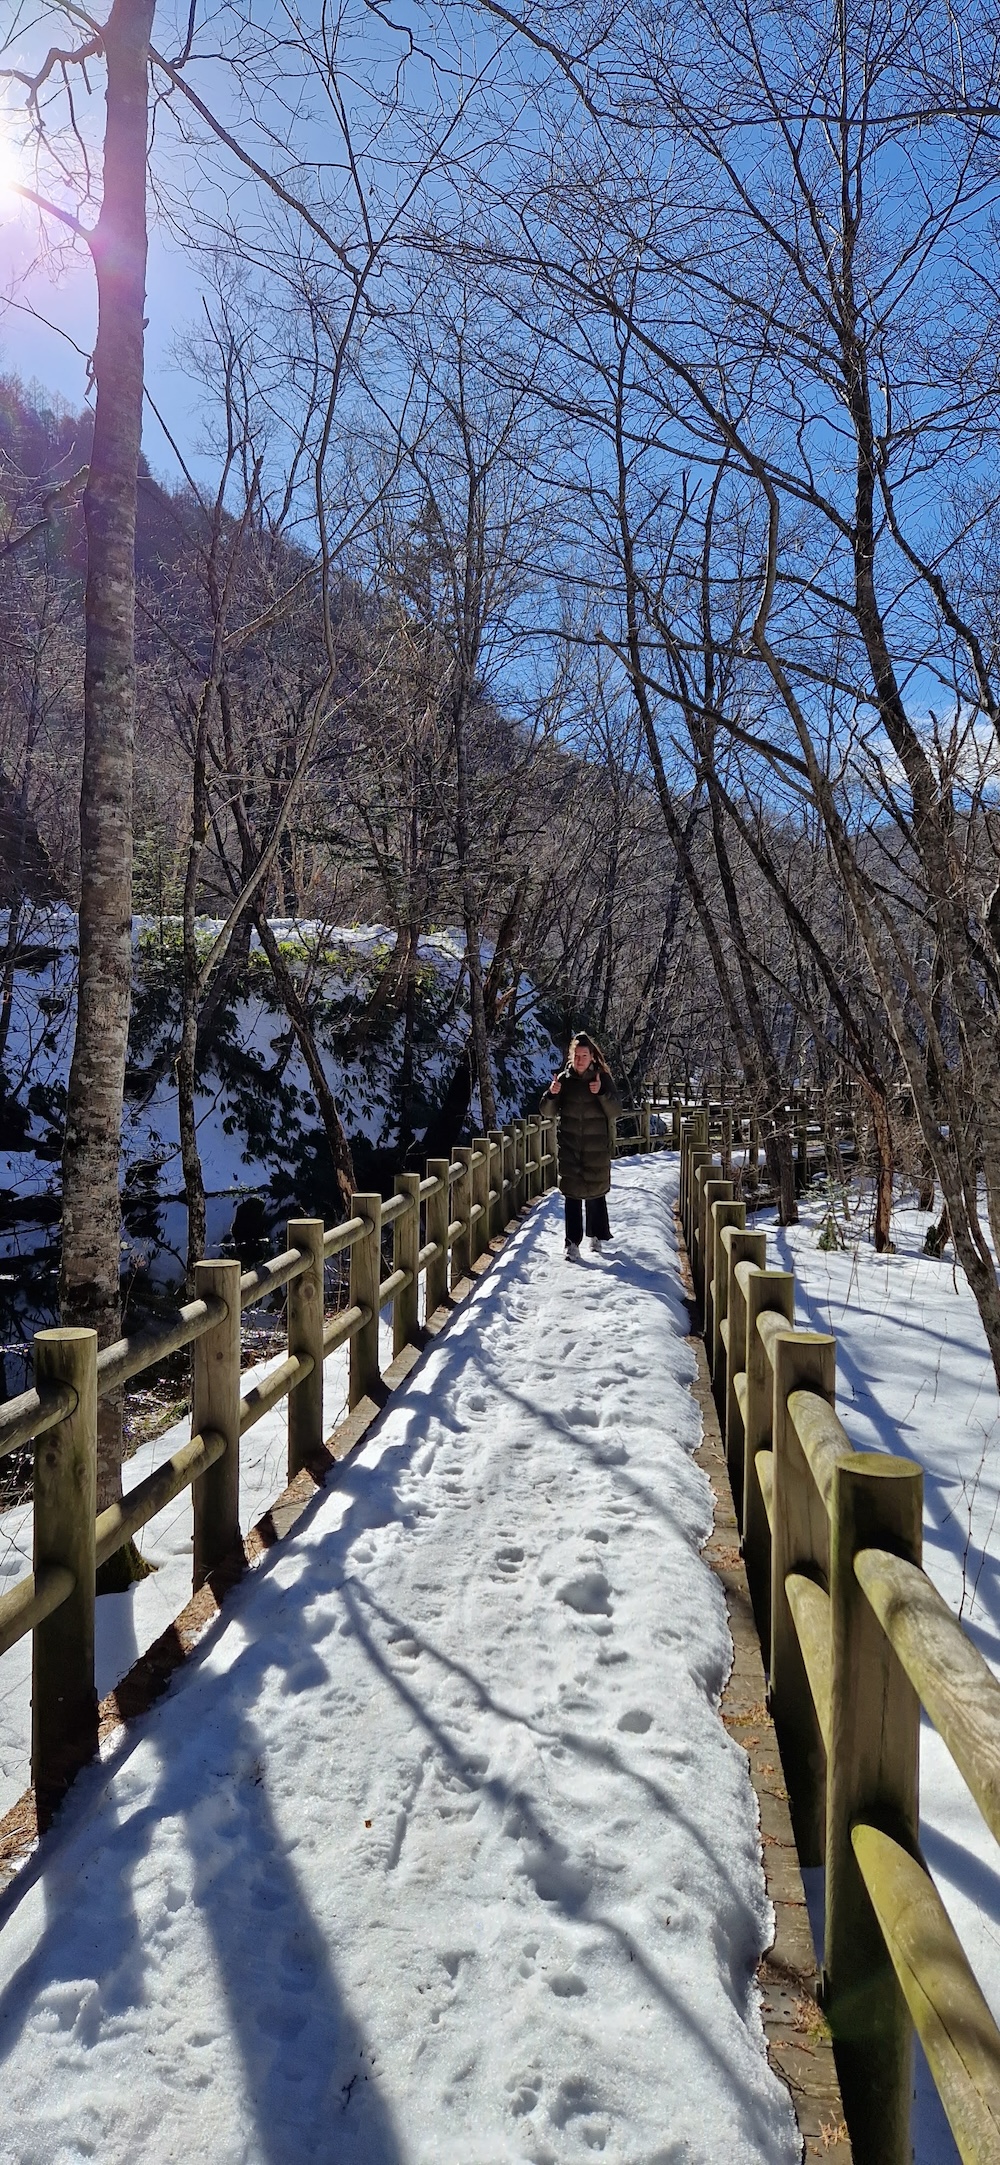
(63, 1692)
(481, 1195)
(438, 1215)
(738, 1247)
(305, 1338)
(872, 1778)
(800, 1542)
(725, 1217)
(461, 1200)
(698, 1156)
(496, 1182)
(713, 1190)
(365, 1374)
(765, 1289)
(215, 1403)
(405, 1256)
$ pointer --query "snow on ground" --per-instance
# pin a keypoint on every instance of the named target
(438, 1849)
(914, 1377)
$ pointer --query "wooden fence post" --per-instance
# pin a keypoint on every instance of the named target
(405, 1253)
(537, 1169)
(800, 1541)
(215, 1403)
(699, 1155)
(481, 1195)
(461, 1254)
(873, 1776)
(496, 1181)
(366, 1277)
(738, 1247)
(437, 1221)
(766, 1289)
(63, 1692)
(713, 1190)
(305, 1337)
(725, 1215)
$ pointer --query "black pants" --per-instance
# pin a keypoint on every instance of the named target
(597, 1218)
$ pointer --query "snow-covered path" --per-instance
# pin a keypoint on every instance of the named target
(438, 1849)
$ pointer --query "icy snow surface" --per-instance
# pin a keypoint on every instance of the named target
(438, 1849)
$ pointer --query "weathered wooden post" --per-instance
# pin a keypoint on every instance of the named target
(699, 1156)
(713, 1191)
(63, 1692)
(481, 1196)
(461, 1254)
(872, 1777)
(765, 1290)
(496, 1183)
(724, 1216)
(405, 1256)
(215, 1403)
(800, 1542)
(366, 1278)
(438, 1214)
(305, 1341)
(738, 1247)
(519, 1128)
(537, 1169)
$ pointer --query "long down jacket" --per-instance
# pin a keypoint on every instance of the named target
(586, 1128)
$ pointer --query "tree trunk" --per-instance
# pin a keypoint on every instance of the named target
(298, 1016)
(884, 1166)
(91, 1246)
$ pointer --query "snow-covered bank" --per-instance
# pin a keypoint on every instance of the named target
(439, 1851)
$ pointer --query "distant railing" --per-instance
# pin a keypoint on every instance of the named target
(856, 1640)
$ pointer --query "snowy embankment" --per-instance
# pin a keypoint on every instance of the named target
(438, 1849)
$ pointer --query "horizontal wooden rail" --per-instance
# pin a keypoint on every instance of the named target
(33, 1413)
(948, 1673)
(344, 1325)
(955, 2027)
(122, 1521)
(338, 1237)
(128, 1357)
(262, 1397)
(31, 1601)
(810, 1607)
(255, 1285)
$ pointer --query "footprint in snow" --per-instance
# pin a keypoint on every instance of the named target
(635, 1721)
(509, 1561)
(589, 1595)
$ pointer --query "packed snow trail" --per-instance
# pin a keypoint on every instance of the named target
(438, 1850)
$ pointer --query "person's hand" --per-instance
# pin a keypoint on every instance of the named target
(595, 1086)
(555, 1085)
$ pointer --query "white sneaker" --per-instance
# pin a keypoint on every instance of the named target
(596, 1247)
(572, 1251)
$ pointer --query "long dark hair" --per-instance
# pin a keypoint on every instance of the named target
(583, 1037)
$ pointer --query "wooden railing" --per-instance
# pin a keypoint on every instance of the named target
(441, 1225)
(856, 1640)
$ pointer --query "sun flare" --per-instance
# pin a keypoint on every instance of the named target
(14, 162)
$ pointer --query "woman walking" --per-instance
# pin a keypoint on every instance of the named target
(582, 1097)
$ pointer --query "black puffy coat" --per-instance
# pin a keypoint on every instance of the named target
(586, 1132)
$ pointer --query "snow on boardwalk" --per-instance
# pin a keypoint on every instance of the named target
(438, 1850)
